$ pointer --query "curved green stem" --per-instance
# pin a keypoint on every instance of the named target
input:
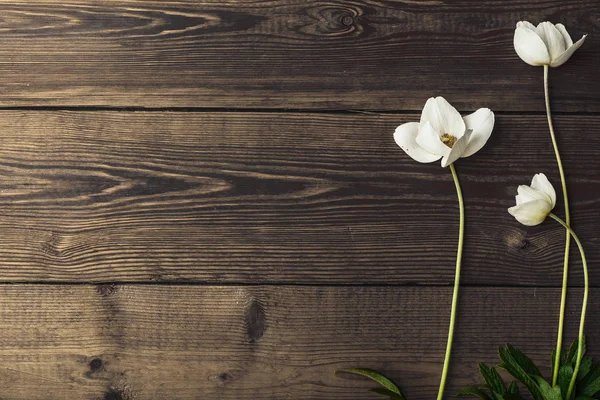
(563, 296)
(461, 234)
(583, 307)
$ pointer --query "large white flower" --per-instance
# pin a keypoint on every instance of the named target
(443, 133)
(546, 44)
(534, 202)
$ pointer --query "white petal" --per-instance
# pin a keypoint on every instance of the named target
(541, 183)
(405, 137)
(519, 200)
(561, 59)
(531, 213)
(482, 124)
(526, 24)
(530, 47)
(430, 140)
(555, 42)
(523, 196)
(457, 150)
(443, 117)
(563, 31)
(527, 193)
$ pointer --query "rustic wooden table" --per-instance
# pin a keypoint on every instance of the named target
(203, 199)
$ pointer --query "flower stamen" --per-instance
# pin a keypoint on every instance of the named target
(448, 139)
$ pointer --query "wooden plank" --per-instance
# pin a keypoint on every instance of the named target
(296, 198)
(191, 342)
(365, 54)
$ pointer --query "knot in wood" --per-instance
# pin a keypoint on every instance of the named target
(95, 364)
(106, 290)
(254, 320)
(347, 20)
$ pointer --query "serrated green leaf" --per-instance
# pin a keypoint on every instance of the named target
(592, 373)
(584, 347)
(548, 392)
(573, 350)
(526, 364)
(584, 368)
(590, 383)
(512, 393)
(516, 370)
(376, 376)
(388, 393)
(474, 391)
(565, 374)
(592, 388)
(492, 379)
(511, 396)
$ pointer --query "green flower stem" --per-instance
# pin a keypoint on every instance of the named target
(461, 234)
(583, 307)
(563, 297)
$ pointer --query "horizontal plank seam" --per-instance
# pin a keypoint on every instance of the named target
(263, 110)
(283, 284)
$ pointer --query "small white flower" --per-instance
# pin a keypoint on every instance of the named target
(443, 133)
(546, 44)
(534, 202)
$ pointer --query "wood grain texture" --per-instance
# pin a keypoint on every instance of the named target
(363, 54)
(195, 342)
(278, 198)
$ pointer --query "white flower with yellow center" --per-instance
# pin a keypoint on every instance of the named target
(444, 133)
(535, 202)
(545, 44)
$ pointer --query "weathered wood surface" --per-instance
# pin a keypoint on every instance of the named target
(232, 234)
(277, 198)
(238, 342)
(364, 54)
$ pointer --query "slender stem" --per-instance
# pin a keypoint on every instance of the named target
(563, 296)
(461, 234)
(583, 307)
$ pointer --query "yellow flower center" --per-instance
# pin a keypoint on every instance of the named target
(448, 139)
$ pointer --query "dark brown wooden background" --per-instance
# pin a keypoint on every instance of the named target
(203, 199)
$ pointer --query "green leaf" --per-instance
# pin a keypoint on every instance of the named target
(590, 383)
(376, 376)
(474, 391)
(584, 367)
(514, 367)
(565, 374)
(512, 388)
(573, 350)
(548, 392)
(388, 393)
(591, 388)
(526, 364)
(492, 378)
(512, 392)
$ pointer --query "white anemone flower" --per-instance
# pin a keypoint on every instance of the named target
(546, 44)
(444, 133)
(534, 202)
